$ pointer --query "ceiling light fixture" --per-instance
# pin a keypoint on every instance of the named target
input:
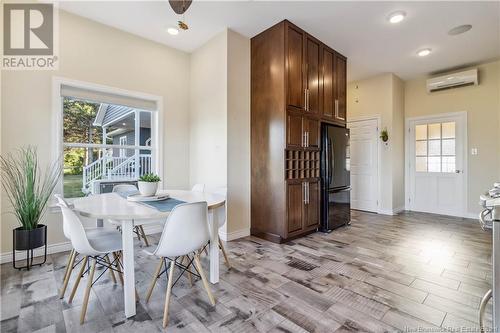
(173, 31)
(460, 29)
(424, 52)
(397, 17)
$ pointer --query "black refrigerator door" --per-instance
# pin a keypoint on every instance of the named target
(336, 157)
(336, 209)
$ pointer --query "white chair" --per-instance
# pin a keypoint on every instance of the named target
(96, 250)
(222, 220)
(184, 233)
(91, 233)
(138, 229)
(198, 188)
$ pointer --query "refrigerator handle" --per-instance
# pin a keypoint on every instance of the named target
(330, 169)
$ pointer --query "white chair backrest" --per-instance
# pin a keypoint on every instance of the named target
(76, 232)
(185, 231)
(222, 210)
(62, 202)
(122, 188)
(198, 188)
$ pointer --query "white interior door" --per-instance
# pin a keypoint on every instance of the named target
(436, 165)
(364, 164)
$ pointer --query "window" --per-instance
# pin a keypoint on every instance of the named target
(123, 142)
(103, 141)
(435, 147)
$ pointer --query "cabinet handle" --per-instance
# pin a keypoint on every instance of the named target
(305, 99)
(304, 139)
(336, 108)
(307, 139)
(305, 193)
(307, 187)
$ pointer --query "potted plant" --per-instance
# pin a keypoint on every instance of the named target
(148, 184)
(28, 190)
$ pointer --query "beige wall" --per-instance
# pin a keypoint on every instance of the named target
(208, 114)
(220, 124)
(382, 96)
(238, 134)
(483, 112)
(98, 54)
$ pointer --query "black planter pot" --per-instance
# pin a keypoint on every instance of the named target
(28, 240)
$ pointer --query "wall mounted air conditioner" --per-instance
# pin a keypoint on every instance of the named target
(453, 80)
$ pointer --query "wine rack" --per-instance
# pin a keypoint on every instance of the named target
(302, 164)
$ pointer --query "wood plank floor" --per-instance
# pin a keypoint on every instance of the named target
(381, 274)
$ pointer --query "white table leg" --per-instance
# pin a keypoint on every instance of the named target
(128, 267)
(214, 245)
(496, 276)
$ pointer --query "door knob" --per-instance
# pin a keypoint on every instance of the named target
(457, 171)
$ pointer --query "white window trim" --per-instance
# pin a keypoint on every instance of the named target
(157, 133)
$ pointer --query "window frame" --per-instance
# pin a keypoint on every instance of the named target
(58, 144)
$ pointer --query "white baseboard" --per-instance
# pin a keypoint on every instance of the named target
(6, 257)
(234, 234)
(394, 211)
(51, 248)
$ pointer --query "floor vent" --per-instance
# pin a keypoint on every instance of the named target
(300, 264)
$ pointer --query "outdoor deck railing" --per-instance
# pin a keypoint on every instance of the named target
(115, 167)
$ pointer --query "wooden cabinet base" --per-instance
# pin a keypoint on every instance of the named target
(280, 240)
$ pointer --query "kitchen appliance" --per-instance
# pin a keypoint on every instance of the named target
(489, 218)
(335, 177)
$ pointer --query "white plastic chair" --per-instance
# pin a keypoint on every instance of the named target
(91, 233)
(184, 233)
(198, 188)
(221, 221)
(93, 249)
(138, 229)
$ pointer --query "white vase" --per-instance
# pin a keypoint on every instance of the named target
(147, 188)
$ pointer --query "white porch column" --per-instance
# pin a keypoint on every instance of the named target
(136, 143)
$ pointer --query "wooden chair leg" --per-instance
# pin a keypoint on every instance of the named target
(190, 276)
(79, 277)
(110, 270)
(169, 292)
(87, 292)
(138, 233)
(155, 278)
(204, 279)
(116, 257)
(144, 235)
(67, 274)
(205, 250)
(221, 245)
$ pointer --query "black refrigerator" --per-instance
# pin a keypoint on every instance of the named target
(335, 177)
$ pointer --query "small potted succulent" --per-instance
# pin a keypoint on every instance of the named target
(28, 190)
(148, 184)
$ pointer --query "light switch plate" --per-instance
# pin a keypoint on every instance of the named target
(473, 151)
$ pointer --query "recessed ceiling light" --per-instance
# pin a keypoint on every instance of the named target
(397, 17)
(173, 31)
(424, 52)
(460, 29)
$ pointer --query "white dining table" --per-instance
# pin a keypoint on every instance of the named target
(129, 214)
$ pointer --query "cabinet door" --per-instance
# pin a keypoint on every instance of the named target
(295, 205)
(328, 91)
(294, 131)
(313, 204)
(312, 75)
(340, 75)
(311, 129)
(295, 68)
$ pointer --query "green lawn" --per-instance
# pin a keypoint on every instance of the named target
(73, 186)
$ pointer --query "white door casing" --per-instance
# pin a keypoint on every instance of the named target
(436, 163)
(364, 164)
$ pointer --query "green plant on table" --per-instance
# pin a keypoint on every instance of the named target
(149, 178)
(27, 187)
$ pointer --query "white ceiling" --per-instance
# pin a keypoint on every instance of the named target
(359, 30)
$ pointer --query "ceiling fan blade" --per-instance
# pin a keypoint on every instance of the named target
(180, 6)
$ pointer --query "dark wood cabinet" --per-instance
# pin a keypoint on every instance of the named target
(341, 88)
(295, 86)
(312, 69)
(294, 43)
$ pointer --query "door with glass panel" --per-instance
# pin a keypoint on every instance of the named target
(436, 165)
